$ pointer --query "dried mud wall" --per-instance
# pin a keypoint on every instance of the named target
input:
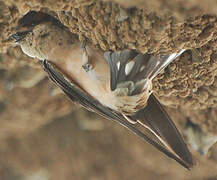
(30, 104)
(188, 83)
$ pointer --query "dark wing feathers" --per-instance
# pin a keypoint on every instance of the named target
(157, 120)
(77, 94)
(113, 69)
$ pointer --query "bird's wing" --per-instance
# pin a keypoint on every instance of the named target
(75, 93)
(129, 65)
(156, 120)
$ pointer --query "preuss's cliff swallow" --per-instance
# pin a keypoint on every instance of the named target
(116, 85)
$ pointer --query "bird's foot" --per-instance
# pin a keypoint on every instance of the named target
(86, 64)
(87, 67)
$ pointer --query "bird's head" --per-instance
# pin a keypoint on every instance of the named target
(29, 21)
(38, 33)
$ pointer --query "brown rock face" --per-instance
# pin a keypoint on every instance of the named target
(60, 141)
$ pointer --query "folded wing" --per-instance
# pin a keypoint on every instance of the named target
(173, 147)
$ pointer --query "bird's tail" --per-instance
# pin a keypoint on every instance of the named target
(157, 63)
(129, 66)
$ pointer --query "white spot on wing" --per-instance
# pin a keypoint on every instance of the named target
(129, 67)
(142, 68)
(118, 65)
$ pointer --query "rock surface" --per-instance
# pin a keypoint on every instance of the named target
(43, 135)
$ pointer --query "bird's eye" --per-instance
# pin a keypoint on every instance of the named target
(20, 35)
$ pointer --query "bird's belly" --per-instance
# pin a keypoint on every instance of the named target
(107, 98)
(99, 88)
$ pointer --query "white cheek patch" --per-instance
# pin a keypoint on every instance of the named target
(129, 67)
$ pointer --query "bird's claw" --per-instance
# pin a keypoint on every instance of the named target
(87, 67)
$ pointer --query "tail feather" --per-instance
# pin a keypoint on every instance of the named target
(157, 63)
(131, 66)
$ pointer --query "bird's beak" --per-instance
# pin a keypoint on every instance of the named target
(19, 35)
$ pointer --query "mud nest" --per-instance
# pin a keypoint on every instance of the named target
(189, 82)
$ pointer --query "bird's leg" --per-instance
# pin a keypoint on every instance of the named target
(86, 64)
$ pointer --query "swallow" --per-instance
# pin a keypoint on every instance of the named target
(116, 85)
